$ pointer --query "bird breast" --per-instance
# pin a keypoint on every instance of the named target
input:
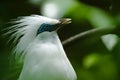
(46, 60)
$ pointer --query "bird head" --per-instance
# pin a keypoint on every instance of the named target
(26, 29)
(53, 25)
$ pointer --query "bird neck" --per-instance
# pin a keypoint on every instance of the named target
(43, 44)
(48, 37)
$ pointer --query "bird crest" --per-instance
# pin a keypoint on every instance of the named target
(24, 31)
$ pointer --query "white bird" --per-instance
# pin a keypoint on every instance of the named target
(40, 48)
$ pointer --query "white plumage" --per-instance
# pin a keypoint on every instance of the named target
(43, 55)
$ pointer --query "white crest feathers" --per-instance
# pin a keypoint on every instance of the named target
(25, 29)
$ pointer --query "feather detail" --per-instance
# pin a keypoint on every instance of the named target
(24, 31)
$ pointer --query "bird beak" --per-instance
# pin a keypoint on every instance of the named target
(65, 21)
(62, 22)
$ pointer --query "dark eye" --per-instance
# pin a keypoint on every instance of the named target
(45, 27)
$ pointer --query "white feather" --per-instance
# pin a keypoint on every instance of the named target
(44, 57)
(27, 28)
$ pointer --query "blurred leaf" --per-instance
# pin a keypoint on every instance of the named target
(100, 19)
(110, 41)
(97, 17)
(91, 60)
(102, 67)
(56, 8)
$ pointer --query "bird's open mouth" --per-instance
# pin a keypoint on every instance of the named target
(65, 21)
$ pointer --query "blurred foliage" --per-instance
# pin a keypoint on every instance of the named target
(94, 57)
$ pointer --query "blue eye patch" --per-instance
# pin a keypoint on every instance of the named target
(47, 27)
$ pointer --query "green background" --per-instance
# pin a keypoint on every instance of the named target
(94, 56)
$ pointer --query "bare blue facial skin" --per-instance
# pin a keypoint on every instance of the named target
(47, 27)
